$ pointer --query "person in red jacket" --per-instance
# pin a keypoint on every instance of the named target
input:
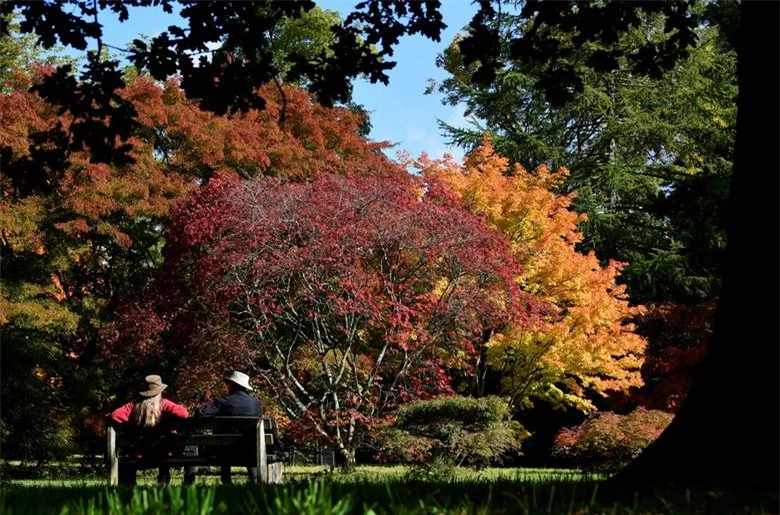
(148, 414)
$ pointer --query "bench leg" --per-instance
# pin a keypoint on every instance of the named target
(164, 476)
(262, 459)
(275, 471)
(189, 474)
(112, 461)
(252, 474)
(127, 474)
(225, 474)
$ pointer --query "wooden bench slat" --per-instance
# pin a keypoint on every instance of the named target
(197, 460)
(221, 440)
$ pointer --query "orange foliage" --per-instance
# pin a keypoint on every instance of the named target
(95, 230)
(587, 345)
(177, 146)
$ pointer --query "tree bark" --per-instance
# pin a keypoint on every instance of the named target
(349, 458)
(727, 432)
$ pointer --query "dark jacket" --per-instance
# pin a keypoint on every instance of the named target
(238, 403)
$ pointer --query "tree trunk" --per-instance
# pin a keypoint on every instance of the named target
(349, 458)
(727, 432)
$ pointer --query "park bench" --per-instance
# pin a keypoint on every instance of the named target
(235, 441)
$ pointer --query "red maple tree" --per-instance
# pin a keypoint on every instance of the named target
(346, 296)
(94, 231)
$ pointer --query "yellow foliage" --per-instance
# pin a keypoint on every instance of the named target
(586, 345)
(20, 222)
(30, 308)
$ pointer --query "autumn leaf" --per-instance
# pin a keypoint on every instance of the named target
(587, 345)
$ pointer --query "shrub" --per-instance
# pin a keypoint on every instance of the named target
(444, 432)
(609, 440)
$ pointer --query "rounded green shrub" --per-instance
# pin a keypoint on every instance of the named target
(441, 433)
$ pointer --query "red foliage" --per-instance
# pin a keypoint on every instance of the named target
(346, 296)
(292, 137)
(177, 146)
(609, 439)
(677, 336)
(95, 230)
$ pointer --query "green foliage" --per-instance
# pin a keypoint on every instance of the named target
(35, 424)
(476, 494)
(313, 498)
(647, 153)
(183, 501)
(89, 469)
(307, 37)
(186, 501)
(608, 440)
(444, 432)
(19, 52)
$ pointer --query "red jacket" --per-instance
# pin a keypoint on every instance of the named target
(122, 414)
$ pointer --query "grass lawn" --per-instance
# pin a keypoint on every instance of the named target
(369, 490)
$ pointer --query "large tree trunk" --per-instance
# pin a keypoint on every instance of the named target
(727, 432)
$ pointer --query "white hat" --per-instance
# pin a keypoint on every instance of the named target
(240, 378)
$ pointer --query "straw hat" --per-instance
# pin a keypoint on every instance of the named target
(239, 378)
(154, 386)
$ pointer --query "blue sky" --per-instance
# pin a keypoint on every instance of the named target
(400, 112)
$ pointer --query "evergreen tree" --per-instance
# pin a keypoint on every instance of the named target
(648, 152)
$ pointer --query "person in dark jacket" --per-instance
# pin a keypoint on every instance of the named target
(238, 402)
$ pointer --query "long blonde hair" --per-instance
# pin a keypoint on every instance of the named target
(147, 412)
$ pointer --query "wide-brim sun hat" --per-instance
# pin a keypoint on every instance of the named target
(154, 386)
(239, 378)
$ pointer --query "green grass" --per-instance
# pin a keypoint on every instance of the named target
(370, 490)
(400, 472)
(298, 473)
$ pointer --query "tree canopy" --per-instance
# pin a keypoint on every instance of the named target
(81, 130)
(648, 150)
(684, 452)
(348, 296)
(363, 45)
(80, 236)
(585, 347)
